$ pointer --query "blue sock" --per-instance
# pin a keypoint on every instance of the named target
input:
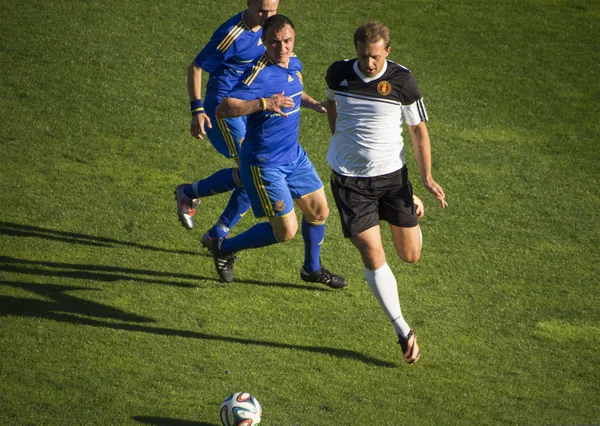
(260, 235)
(238, 204)
(222, 181)
(313, 236)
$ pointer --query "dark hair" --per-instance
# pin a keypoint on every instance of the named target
(372, 32)
(276, 23)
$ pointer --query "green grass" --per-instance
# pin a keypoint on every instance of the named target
(110, 313)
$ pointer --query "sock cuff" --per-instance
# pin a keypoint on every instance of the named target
(318, 223)
(382, 269)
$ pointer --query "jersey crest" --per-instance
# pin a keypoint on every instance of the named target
(384, 88)
(280, 206)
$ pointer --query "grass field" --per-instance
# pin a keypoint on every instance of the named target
(111, 314)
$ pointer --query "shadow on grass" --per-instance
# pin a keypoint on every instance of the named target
(111, 274)
(93, 272)
(165, 421)
(67, 309)
(60, 301)
(18, 230)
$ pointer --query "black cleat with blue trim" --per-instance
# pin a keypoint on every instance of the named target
(223, 261)
(323, 276)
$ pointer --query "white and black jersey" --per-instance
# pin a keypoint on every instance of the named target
(370, 113)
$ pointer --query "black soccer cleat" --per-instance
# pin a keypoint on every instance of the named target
(223, 261)
(410, 349)
(323, 276)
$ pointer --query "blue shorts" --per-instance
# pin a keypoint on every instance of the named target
(273, 189)
(227, 134)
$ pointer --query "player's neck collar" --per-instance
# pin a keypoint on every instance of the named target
(365, 78)
(269, 61)
(247, 27)
(266, 57)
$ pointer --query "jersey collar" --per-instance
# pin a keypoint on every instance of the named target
(246, 27)
(264, 55)
(365, 78)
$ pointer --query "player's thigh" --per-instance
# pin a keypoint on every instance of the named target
(268, 190)
(370, 246)
(407, 242)
(227, 135)
(306, 188)
(396, 204)
(356, 202)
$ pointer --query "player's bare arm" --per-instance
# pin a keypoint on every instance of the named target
(309, 102)
(199, 121)
(419, 206)
(233, 107)
(422, 149)
(331, 114)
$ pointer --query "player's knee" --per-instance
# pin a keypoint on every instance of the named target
(319, 216)
(286, 233)
(324, 214)
(411, 256)
(373, 258)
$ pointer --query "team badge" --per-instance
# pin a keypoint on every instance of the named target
(280, 206)
(384, 88)
(299, 74)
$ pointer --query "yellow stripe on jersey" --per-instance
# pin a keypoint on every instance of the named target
(236, 178)
(227, 137)
(230, 38)
(262, 62)
(262, 192)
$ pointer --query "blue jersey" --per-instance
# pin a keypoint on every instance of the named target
(270, 138)
(229, 53)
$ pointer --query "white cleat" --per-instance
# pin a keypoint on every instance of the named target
(186, 207)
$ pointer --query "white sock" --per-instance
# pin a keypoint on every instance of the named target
(383, 286)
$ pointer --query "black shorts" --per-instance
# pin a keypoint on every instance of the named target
(364, 201)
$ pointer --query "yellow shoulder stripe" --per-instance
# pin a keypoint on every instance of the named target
(262, 62)
(234, 33)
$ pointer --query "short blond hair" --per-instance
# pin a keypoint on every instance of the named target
(372, 32)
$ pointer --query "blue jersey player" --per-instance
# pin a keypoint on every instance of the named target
(229, 53)
(274, 168)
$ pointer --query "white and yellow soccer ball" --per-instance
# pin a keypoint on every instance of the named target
(240, 409)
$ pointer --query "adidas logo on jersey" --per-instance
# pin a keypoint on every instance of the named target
(290, 79)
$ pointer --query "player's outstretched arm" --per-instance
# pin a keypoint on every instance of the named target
(308, 102)
(422, 149)
(233, 107)
(200, 120)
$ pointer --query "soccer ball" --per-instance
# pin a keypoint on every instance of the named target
(240, 409)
